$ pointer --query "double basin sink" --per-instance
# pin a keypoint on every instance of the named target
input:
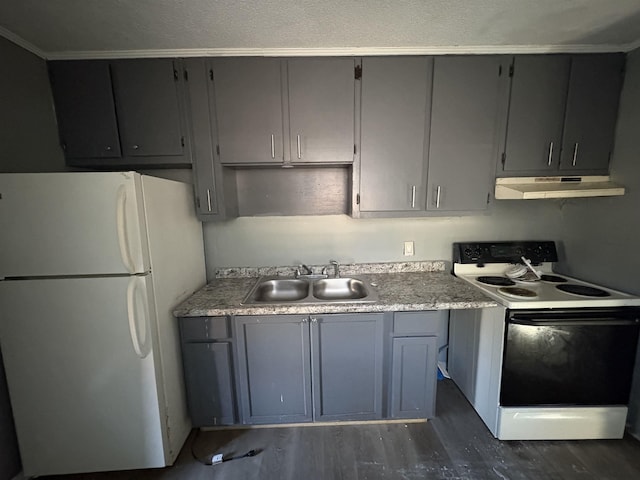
(310, 290)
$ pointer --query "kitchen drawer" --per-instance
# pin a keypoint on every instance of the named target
(204, 328)
(417, 323)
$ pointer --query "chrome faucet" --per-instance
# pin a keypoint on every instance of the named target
(336, 268)
(305, 267)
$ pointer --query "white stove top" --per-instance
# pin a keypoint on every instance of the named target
(546, 293)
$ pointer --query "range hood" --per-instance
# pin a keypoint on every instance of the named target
(530, 188)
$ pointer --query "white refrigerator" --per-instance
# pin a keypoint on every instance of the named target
(91, 266)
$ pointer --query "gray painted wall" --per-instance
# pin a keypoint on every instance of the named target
(29, 135)
(602, 236)
(261, 241)
(29, 142)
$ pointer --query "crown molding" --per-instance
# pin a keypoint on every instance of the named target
(338, 51)
(21, 42)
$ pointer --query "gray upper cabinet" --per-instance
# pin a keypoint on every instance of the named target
(536, 114)
(85, 109)
(347, 366)
(562, 114)
(149, 106)
(592, 110)
(321, 109)
(396, 96)
(274, 363)
(248, 106)
(469, 96)
(121, 113)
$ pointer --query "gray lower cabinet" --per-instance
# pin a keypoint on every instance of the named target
(347, 366)
(121, 112)
(470, 95)
(396, 96)
(414, 357)
(296, 368)
(208, 370)
(274, 366)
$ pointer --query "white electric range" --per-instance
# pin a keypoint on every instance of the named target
(555, 359)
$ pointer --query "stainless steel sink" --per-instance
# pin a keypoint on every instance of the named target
(339, 289)
(281, 290)
(286, 290)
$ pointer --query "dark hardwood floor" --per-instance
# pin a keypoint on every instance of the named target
(454, 445)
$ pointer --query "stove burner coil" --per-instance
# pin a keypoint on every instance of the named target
(518, 292)
(553, 279)
(583, 290)
(500, 281)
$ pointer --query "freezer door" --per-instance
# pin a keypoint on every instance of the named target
(57, 224)
(81, 370)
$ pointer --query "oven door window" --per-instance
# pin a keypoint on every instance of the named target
(568, 361)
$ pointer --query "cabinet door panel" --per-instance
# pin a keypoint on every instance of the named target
(321, 106)
(274, 363)
(395, 102)
(413, 377)
(85, 108)
(536, 113)
(347, 366)
(149, 107)
(467, 94)
(208, 377)
(592, 109)
(248, 102)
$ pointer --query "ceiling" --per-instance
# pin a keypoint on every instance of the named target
(128, 28)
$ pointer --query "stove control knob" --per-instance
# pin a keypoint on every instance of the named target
(468, 252)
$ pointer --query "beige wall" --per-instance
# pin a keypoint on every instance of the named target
(602, 236)
(260, 241)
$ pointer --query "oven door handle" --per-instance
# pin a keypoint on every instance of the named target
(574, 323)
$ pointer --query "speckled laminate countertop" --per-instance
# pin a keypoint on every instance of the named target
(405, 289)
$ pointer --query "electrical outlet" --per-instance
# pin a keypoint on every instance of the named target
(408, 249)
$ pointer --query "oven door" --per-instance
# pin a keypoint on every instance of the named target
(569, 357)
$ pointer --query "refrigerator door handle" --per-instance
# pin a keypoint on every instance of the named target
(121, 226)
(141, 349)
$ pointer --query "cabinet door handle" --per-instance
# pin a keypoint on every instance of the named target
(575, 155)
(136, 147)
(550, 154)
(314, 320)
(438, 190)
(413, 196)
(305, 320)
(209, 199)
(273, 146)
(299, 149)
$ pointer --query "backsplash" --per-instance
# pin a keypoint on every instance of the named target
(347, 269)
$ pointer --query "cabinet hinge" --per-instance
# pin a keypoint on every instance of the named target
(355, 149)
(488, 197)
(198, 202)
(211, 74)
(358, 72)
(511, 70)
(500, 71)
(218, 150)
(357, 199)
(186, 76)
(64, 146)
(182, 141)
(175, 74)
(504, 159)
